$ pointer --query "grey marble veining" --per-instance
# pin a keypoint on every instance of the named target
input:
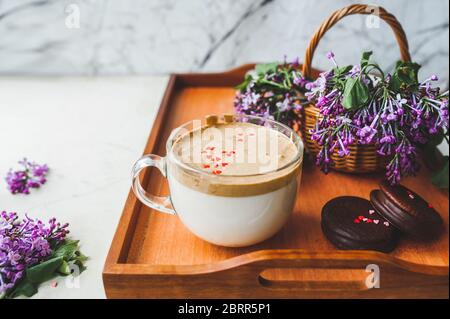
(162, 36)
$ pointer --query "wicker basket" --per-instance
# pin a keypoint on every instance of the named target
(362, 158)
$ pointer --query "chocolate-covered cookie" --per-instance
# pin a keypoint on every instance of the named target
(407, 211)
(353, 223)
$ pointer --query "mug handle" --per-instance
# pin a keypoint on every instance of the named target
(160, 203)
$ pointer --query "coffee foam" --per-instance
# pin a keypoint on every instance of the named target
(242, 158)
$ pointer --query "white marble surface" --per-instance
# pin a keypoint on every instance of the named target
(89, 131)
(163, 36)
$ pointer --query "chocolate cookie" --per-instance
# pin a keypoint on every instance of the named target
(352, 223)
(407, 211)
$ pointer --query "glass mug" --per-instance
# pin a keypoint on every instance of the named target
(226, 210)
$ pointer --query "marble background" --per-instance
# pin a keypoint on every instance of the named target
(163, 36)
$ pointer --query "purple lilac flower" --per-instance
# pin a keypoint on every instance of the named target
(274, 95)
(285, 105)
(397, 123)
(31, 175)
(366, 134)
(355, 71)
(24, 243)
(330, 56)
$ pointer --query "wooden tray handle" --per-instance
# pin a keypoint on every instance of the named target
(353, 268)
(351, 10)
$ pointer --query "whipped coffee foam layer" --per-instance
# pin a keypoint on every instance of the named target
(235, 149)
(242, 159)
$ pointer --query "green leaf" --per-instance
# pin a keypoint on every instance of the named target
(44, 271)
(67, 250)
(338, 71)
(64, 269)
(244, 85)
(262, 69)
(80, 257)
(24, 288)
(365, 59)
(406, 75)
(356, 94)
(440, 178)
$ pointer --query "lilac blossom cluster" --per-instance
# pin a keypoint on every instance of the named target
(31, 175)
(399, 115)
(272, 91)
(23, 244)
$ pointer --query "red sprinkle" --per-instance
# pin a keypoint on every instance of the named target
(430, 206)
(224, 164)
(206, 166)
(369, 220)
(217, 172)
(356, 221)
(361, 217)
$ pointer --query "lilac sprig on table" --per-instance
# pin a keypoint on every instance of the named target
(395, 112)
(30, 175)
(32, 252)
(272, 91)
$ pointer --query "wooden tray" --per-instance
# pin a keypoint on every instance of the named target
(152, 255)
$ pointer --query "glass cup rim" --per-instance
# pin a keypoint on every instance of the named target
(298, 158)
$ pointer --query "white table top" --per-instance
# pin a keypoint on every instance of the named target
(89, 131)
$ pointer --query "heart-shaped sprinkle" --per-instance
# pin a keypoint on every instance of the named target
(369, 220)
(356, 221)
(364, 219)
(371, 212)
(376, 221)
(206, 166)
(217, 172)
(411, 195)
(361, 217)
(386, 224)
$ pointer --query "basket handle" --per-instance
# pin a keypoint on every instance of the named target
(351, 10)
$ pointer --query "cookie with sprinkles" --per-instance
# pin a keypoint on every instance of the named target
(352, 223)
(407, 211)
